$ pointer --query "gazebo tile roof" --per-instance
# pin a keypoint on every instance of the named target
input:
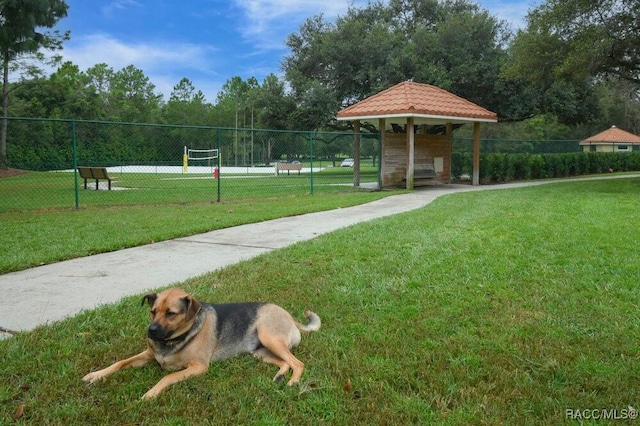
(409, 98)
(612, 135)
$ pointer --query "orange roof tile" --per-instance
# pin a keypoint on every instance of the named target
(409, 99)
(611, 135)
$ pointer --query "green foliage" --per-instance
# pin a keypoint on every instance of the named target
(591, 37)
(506, 165)
(21, 22)
(619, 104)
(461, 163)
(273, 105)
(571, 48)
(496, 168)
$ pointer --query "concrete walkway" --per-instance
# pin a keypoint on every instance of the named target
(52, 292)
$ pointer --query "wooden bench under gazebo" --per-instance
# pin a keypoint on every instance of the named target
(406, 115)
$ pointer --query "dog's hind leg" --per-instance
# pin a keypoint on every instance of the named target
(279, 349)
(266, 356)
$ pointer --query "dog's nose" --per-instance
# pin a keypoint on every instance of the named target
(156, 331)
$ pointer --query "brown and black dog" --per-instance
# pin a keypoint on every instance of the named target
(187, 335)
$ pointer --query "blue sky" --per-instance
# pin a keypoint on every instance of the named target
(207, 41)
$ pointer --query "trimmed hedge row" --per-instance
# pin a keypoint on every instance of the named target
(497, 168)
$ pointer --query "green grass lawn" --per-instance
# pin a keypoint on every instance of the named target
(493, 307)
(38, 191)
(34, 237)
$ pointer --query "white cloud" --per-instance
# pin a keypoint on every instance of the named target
(97, 48)
(267, 10)
(269, 21)
(117, 5)
(165, 63)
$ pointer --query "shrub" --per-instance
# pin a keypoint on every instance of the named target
(496, 168)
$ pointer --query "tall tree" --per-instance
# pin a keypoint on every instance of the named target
(582, 38)
(453, 44)
(186, 105)
(273, 104)
(100, 79)
(232, 102)
(185, 91)
(20, 21)
(71, 93)
(570, 47)
(133, 95)
(236, 100)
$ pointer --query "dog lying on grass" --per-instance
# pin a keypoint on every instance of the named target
(186, 335)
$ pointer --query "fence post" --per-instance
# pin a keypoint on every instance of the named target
(74, 144)
(218, 142)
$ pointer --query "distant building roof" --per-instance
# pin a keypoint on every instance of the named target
(424, 102)
(612, 135)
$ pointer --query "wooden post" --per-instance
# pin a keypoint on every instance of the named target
(356, 153)
(476, 154)
(381, 165)
(449, 133)
(411, 152)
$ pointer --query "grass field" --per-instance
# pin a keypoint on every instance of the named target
(32, 238)
(493, 307)
(57, 190)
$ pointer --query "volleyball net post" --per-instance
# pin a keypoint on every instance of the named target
(185, 161)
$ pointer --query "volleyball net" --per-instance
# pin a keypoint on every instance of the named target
(198, 155)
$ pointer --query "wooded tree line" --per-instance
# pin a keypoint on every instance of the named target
(572, 71)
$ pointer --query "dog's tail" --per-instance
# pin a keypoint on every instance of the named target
(314, 322)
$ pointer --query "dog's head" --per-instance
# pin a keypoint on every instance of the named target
(172, 313)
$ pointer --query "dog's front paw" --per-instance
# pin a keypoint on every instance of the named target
(93, 377)
(150, 394)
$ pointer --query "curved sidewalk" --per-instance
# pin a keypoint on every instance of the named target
(52, 292)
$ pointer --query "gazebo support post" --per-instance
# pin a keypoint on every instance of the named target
(449, 133)
(411, 152)
(381, 163)
(356, 153)
(476, 154)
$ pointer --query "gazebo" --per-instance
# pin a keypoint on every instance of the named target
(416, 125)
(611, 140)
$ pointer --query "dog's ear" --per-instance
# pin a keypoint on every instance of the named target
(191, 306)
(149, 298)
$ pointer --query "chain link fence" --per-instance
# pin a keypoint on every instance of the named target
(161, 164)
(149, 164)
